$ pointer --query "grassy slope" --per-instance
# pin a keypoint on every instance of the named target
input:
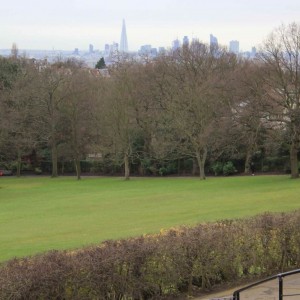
(38, 214)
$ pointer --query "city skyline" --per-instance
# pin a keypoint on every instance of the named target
(77, 24)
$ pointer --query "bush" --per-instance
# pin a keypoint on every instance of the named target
(97, 167)
(168, 168)
(265, 169)
(217, 168)
(37, 171)
(162, 171)
(229, 169)
(175, 262)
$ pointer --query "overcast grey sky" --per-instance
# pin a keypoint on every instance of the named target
(66, 24)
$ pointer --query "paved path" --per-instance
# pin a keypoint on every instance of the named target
(265, 291)
(227, 293)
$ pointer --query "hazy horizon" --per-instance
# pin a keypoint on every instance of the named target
(66, 25)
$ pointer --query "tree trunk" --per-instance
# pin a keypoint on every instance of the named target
(201, 158)
(194, 170)
(78, 168)
(141, 170)
(201, 168)
(247, 162)
(19, 163)
(127, 169)
(62, 170)
(54, 161)
(294, 161)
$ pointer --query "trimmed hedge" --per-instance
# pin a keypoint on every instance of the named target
(172, 263)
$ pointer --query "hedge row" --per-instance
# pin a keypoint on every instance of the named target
(176, 262)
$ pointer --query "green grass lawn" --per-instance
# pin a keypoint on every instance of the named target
(39, 213)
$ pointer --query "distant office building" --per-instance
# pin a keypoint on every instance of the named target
(148, 50)
(124, 42)
(114, 47)
(185, 40)
(91, 48)
(213, 41)
(175, 44)
(76, 51)
(106, 49)
(145, 49)
(153, 52)
(234, 47)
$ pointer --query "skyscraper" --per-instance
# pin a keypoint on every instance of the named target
(234, 47)
(124, 42)
(213, 41)
(91, 48)
(253, 52)
(175, 44)
(185, 40)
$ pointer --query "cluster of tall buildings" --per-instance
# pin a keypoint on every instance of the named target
(147, 49)
(234, 46)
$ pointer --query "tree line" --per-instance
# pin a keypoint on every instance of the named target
(199, 106)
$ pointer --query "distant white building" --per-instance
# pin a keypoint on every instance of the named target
(213, 41)
(185, 40)
(91, 48)
(114, 47)
(145, 49)
(234, 47)
(253, 52)
(175, 44)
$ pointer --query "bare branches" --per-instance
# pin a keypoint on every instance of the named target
(282, 82)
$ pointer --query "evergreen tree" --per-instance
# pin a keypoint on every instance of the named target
(100, 64)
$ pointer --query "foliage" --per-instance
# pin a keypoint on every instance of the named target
(228, 168)
(37, 171)
(100, 64)
(217, 168)
(9, 70)
(180, 261)
(168, 168)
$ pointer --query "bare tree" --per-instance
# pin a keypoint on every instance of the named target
(120, 115)
(150, 144)
(77, 108)
(8, 73)
(248, 112)
(18, 106)
(195, 90)
(281, 55)
(49, 118)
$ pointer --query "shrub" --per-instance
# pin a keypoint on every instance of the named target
(229, 169)
(162, 171)
(37, 171)
(217, 168)
(265, 169)
(96, 167)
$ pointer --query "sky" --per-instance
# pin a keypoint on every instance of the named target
(66, 24)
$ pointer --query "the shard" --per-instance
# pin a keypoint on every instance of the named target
(124, 42)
